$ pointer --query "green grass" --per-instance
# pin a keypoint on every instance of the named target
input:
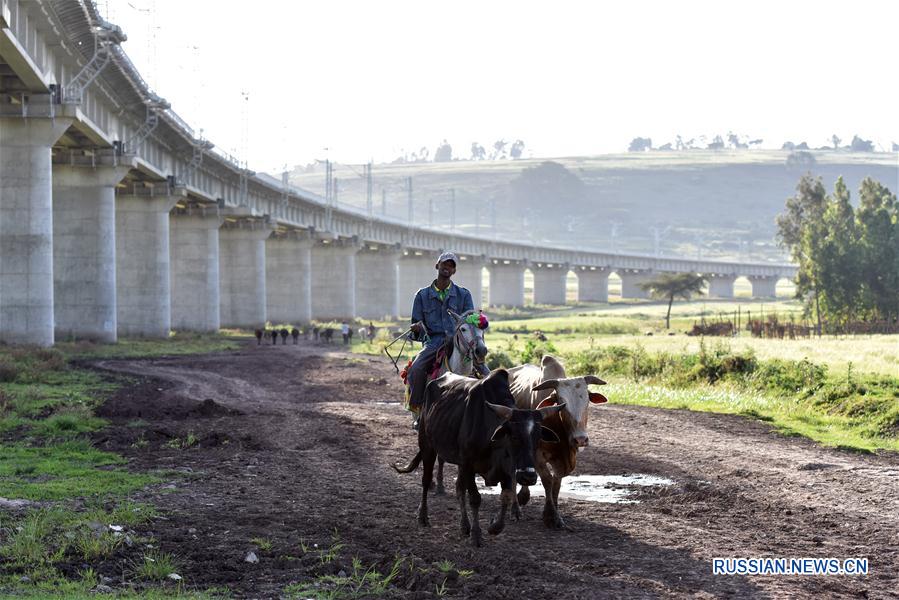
(155, 565)
(71, 469)
(179, 343)
(359, 582)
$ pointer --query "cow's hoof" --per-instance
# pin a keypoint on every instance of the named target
(524, 494)
(465, 529)
(424, 523)
(516, 512)
(476, 539)
(496, 527)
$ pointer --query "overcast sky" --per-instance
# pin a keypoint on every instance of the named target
(360, 80)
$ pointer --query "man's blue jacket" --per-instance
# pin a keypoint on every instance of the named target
(428, 308)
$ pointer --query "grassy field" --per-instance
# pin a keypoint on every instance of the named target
(72, 490)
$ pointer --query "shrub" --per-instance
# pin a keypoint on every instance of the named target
(534, 351)
(498, 359)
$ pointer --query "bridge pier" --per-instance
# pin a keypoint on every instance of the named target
(242, 273)
(194, 250)
(26, 228)
(143, 277)
(288, 278)
(84, 251)
(334, 279)
(415, 272)
(377, 282)
(593, 284)
(550, 283)
(630, 283)
(507, 283)
(469, 274)
(721, 286)
(764, 286)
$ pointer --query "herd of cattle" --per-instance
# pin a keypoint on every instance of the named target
(509, 428)
(316, 333)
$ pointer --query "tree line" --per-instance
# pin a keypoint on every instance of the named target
(848, 257)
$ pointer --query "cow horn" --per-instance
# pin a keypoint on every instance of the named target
(549, 384)
(593, 379)
(548, 411)
(503, 412)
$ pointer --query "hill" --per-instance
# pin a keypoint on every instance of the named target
(720, 203)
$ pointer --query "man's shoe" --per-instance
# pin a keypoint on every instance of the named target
(415, 425)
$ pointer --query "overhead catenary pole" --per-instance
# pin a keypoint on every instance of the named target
(383, 202)
(368, 190)
(453, 210)
(409, 200)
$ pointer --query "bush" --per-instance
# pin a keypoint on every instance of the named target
(499, 359)
(535, 350)
(9, 371)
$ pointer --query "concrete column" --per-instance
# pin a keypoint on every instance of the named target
(143, 277)
(84, 251)
(506, 284)
(26, 229)
(334, 279)
(469, 275)
(721, 286)
(764, 287)
(549, 284)
(630, 283)
(242, 273)
(415, 272)
(288, 277)
(196, 293)
(377, 282)
(593, 285)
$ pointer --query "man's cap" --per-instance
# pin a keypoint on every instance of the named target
(448, 256)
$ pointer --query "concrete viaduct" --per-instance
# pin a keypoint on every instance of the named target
(115, 219)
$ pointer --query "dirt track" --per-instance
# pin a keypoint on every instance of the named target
(295, 445)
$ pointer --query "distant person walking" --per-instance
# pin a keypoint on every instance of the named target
(345, 330)
(371, 331)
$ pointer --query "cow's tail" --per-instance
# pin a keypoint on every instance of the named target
(413, 464)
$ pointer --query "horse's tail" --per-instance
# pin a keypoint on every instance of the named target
(413, 464)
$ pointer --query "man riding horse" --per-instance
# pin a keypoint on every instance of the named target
(434, 325)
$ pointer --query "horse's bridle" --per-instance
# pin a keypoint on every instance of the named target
(469, 354)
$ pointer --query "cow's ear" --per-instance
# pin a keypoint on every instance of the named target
(547, 402)
(503, 412)
(499, 432)
(548, 435)
(597, 398)
(549, 411)
(593, 380)
(549, 384)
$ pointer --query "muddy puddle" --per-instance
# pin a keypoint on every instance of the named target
(612, 489)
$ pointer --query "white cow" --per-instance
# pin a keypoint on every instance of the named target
(546, 385)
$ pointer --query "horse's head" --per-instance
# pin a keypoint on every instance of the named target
(468, 337)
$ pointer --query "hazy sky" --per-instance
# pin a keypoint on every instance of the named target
(360, 80)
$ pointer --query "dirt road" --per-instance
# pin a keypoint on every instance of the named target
(292, 444)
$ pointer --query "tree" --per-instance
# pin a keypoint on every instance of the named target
(546, 188)
(673, 285)
(716, 144)
(517, 149)
(877, 217)
(836, 141)
(838, 262)
(860, 145)
(499, 150)
(799, 231)
(443, 153)
(788, 145)
(639, 144)
(477, 151)
(801, 160)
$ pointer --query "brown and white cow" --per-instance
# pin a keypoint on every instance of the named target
(537, 387)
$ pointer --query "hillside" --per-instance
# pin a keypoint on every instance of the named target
(719, 203)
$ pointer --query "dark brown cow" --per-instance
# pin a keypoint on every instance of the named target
(473, 423)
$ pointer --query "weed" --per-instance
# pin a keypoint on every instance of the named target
(441, 589)
(263, 544)
(154, 565)
(445, 566)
